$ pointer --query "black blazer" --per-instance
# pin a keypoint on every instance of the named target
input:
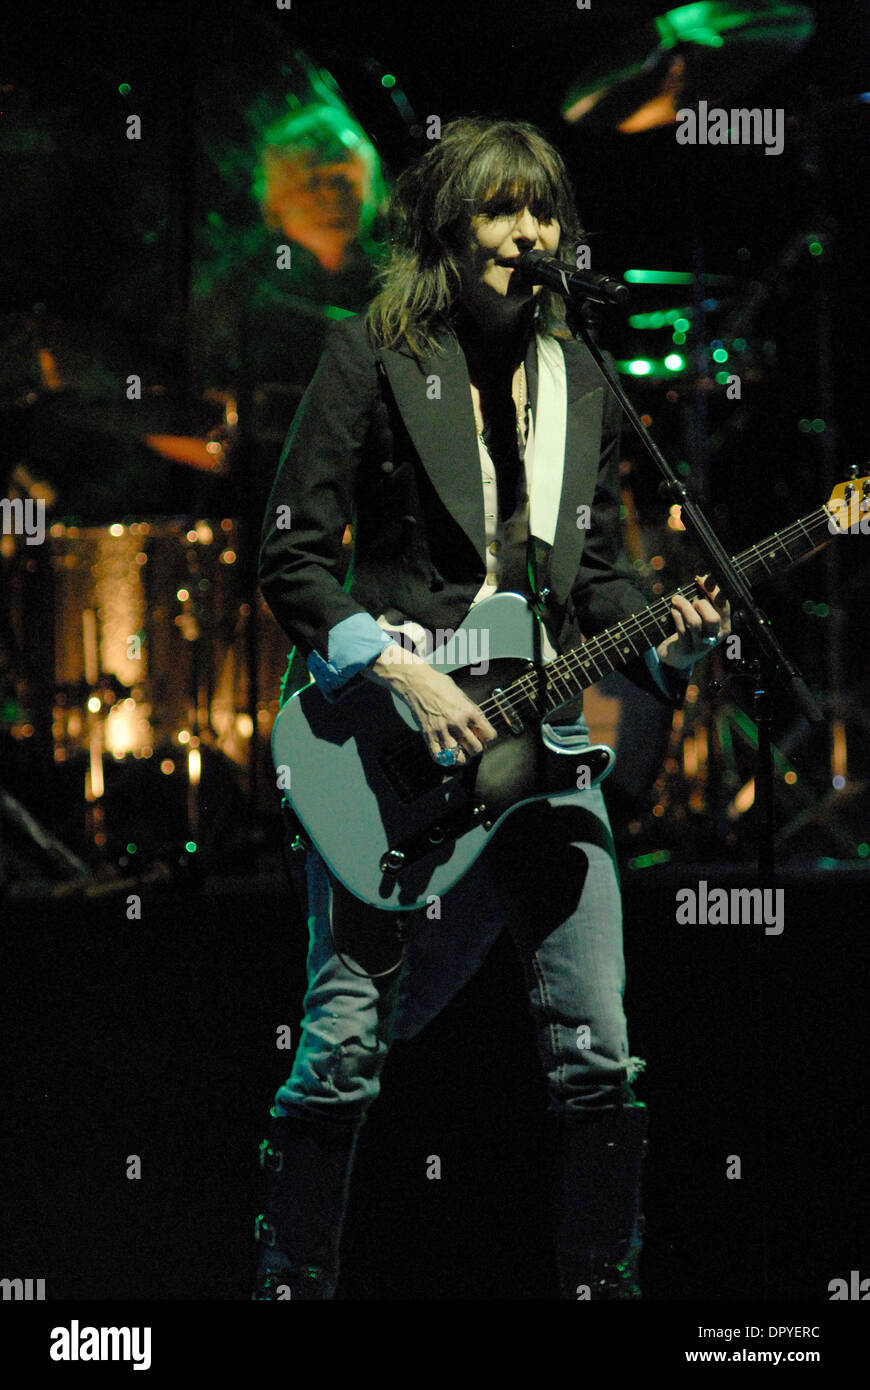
(368, 446)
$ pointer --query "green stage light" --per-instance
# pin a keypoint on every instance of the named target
(191, 847)
(653, 366)
(388, 80)
(645, 861)
(658, 277)
(816, 248)
(707, 24)
(720, 355)
(656, 320)
(723, 378)
(681, 325)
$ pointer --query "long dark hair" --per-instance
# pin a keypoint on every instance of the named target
(480, 165)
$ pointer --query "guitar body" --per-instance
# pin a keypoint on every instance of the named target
(391, 825)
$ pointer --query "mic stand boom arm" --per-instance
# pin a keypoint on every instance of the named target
(774, 665)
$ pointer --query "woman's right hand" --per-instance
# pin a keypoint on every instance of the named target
(446, 716)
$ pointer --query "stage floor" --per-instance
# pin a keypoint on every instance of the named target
(156, 1037)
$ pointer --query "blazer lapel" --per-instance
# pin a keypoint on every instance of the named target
(585, 411)
(435, 404)
(443, 431)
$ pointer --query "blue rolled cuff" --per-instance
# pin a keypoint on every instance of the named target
(354, 643)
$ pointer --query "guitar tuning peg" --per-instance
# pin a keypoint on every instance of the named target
(854, 470)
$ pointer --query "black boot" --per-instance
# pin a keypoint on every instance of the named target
(309, 1162)
(599, 1226)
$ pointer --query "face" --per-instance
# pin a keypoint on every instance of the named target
(306, 193)
(318, 205)
(493, 292)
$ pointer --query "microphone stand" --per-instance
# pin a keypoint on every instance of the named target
(772, 665)
(770, 668)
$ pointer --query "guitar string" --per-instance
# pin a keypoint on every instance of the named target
(656, 615)
(606, 644)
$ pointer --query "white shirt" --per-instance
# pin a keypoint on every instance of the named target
(500, 534)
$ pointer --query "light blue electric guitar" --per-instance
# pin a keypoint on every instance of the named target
(393, 826)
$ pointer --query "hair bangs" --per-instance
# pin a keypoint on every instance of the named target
(509, 176)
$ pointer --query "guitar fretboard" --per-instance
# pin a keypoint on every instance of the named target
(534, 695)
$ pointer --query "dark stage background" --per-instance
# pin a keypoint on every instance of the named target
(155, 1036)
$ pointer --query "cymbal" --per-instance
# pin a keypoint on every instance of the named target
(709, 51)
(205, 454)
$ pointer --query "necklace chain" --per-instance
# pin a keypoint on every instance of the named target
(522, 406)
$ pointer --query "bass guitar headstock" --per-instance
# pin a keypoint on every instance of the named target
(849, 506)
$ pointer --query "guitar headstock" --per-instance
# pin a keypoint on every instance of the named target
(849, 506)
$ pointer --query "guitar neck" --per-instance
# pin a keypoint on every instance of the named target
(544, 690)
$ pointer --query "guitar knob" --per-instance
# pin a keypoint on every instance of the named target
(392, 861)
(436, 835)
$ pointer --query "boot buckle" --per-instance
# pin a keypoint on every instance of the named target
(264, 1232)
(266, 1153)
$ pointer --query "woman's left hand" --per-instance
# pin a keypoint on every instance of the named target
(700, 626)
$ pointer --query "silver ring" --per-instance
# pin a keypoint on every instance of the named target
(446, 756)
(710, 641)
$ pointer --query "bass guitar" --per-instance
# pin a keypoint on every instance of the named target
(393, 826)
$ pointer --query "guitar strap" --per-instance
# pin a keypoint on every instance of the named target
(550, 428)
(538, 559)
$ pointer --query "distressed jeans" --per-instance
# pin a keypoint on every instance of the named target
(549, 877)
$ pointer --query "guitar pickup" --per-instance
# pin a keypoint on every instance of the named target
(511, 718)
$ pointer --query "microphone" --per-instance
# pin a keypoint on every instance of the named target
(540, 269)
